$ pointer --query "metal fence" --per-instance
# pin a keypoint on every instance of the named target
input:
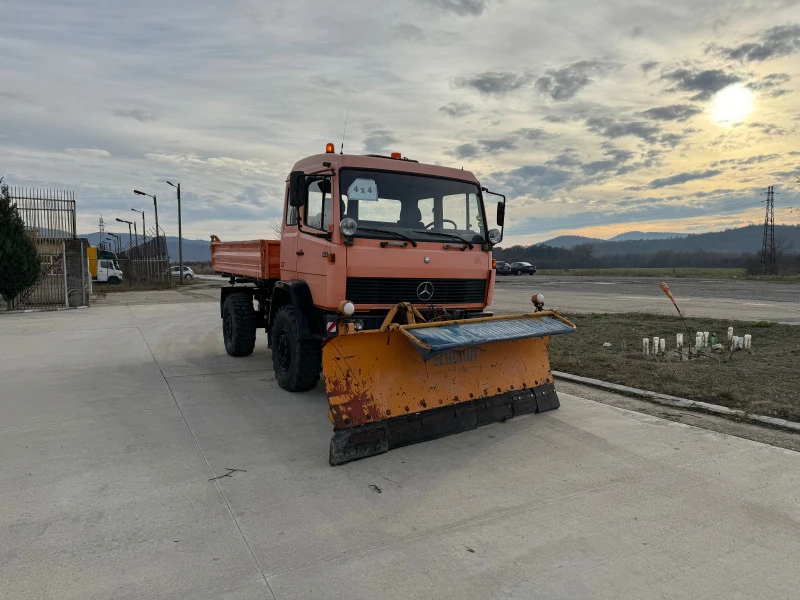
(49, 218)
(147, 261)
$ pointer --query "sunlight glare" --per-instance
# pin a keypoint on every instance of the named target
(731, 105)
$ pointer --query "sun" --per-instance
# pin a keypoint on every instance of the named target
(731, 105)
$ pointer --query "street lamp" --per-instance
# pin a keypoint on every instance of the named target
(155, 209)
(117, 242)
(130, 244)
(180, 232)
(144, 225)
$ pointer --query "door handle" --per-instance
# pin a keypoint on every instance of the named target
(299, 253)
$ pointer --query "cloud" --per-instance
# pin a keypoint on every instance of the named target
(379, 141)
(682, 178)
(555, 119)
(498, 145)
(533, 180)
(771, 85)
(532, 134)
(494, 83)
(750, 160)
(610, 128)
(649, 65)
(706, 83)
(135, 113)
(673, 112)
(565, 82)
(767, 129)
(88, 152)
(636, 31)
(462, 8)
(781, 40)
(567, 158)
(457, 109)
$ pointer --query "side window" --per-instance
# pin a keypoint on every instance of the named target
(316, 205)
(291, 212)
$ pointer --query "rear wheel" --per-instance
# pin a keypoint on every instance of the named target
(517, 272)
(239, 325)
(297, 363)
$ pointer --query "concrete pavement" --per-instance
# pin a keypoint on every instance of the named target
(113, 420)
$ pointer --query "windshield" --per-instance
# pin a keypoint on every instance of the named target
(420, 207)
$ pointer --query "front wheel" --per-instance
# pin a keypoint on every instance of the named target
(188, 276)
(297, 363)
(239, 325)
(113, 280)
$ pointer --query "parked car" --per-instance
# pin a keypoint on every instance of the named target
(503, 268)
(523, 267)
(176, 271)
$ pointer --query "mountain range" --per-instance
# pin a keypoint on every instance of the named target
(740, 240)
(193, 250)
(569, 241)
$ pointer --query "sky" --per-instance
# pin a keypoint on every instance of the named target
(594, 118)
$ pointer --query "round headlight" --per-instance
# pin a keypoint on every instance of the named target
(538, 299)
(348, 226)
(347, 308)
(494, 236)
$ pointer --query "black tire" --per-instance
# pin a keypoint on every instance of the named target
(517, 272)
(113, 280)
(239, 325)
(188, 276)
(297, 363)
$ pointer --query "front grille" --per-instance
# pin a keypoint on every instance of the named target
(382, 290)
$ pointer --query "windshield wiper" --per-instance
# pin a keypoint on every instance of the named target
(390, 232)
(449, 235)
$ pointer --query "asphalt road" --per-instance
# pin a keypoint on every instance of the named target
(138, 460)
(714, 298)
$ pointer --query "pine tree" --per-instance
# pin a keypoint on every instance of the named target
(20, 266)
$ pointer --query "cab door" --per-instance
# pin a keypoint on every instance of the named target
(289, 235)
(313, 242)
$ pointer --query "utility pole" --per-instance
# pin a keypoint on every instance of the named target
(768, 257)
(180, 232)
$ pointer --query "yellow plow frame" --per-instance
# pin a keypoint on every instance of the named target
(408, 383)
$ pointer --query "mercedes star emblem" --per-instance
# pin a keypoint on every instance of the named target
(427, 259)
(425, 290)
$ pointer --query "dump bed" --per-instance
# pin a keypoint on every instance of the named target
(254, 259)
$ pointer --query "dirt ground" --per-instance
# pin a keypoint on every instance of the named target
(763, 381)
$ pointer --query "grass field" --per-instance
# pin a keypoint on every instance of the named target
(765, 380)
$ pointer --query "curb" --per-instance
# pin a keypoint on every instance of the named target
(667, 400)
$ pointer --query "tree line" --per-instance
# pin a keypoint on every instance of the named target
(584, 257)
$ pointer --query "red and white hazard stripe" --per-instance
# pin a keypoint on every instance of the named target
(332, 327)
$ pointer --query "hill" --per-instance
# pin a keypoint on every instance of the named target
(193, 250)
(645, 235)
(570, 241)
(741, 240)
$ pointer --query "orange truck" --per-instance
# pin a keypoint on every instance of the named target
(380, 283)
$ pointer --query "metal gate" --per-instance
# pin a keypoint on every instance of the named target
(49, 218)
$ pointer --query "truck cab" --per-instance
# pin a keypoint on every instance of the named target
(379, 230)
(103, 266)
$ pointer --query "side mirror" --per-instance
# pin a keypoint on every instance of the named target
(501, 213)
(297, 189)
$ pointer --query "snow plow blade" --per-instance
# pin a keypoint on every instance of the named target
(410, 383)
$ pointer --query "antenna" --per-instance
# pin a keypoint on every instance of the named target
(341, 150)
